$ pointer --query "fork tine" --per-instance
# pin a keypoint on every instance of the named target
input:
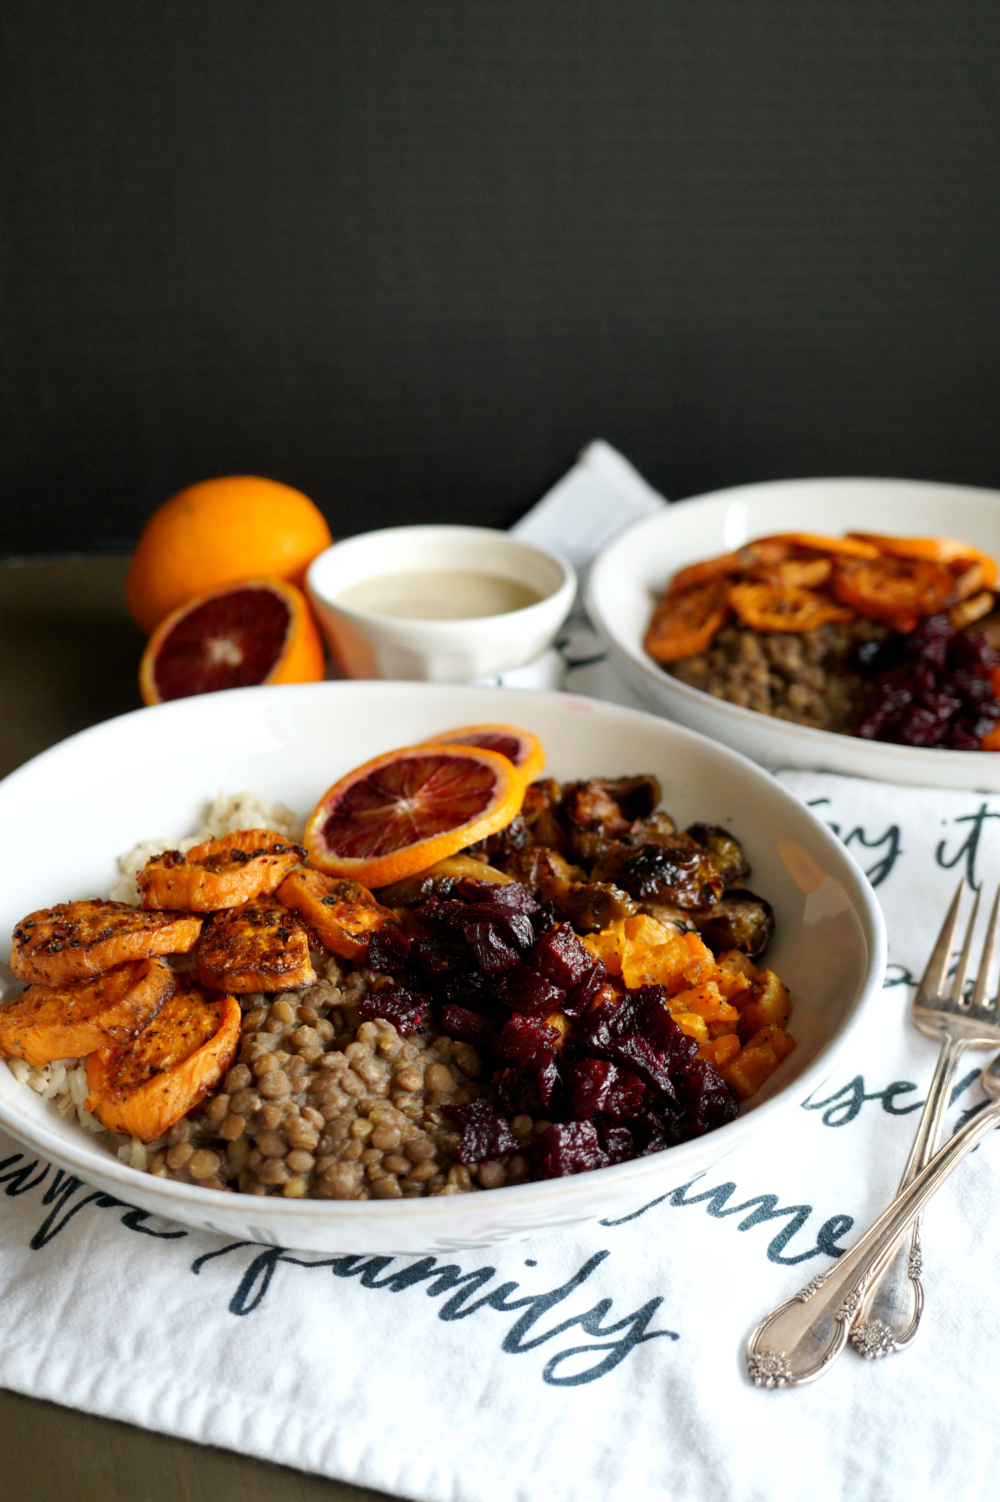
(982, 979)
(932, 981)
(962, 968)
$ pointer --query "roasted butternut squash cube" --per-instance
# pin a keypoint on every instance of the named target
(707, 1001)
(721, 1051)
(736, 972)
(757, 1060)
(766, 1004)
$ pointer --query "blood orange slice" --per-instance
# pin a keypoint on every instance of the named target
(260, 631)
(401, 812)
(519, 746)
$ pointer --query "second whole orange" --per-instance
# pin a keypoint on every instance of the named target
(220, 532)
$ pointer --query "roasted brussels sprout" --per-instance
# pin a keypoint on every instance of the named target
(726, 851)
(675, 871)
(741, 921)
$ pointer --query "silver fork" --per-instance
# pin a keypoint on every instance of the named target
(800, 1340)
(782, 1351)
(889, 1317)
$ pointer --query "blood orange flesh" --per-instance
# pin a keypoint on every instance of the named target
(403, 811)
(229, 641)
(259, 631)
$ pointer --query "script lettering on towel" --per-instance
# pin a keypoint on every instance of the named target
(468, 1293)
(891, 839)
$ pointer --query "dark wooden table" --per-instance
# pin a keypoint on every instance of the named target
(69, 656)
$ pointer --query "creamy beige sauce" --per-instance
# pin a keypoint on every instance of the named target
(438, 594)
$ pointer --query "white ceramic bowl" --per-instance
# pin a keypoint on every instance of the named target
(446, 651)
(65, 816)
(631, 573)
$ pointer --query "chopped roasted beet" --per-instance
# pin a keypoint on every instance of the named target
(405, 1009)
(468, 1027)
(524, 991)
(512, 896)
(527, 1041)
(960, 739)
(596, 1085)
(582, 995)
(388, 949)
(659, 1127)
(452, 918)
(932, 687)
(616, 1142)
(569, 1147)
(655, 1066)
(710, 1102)
(493, 954)
(544, 920)
(562, 958)
(524, 1090)
(436, 957)
(485, 1135)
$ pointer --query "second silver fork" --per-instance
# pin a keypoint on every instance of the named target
(889, 1316)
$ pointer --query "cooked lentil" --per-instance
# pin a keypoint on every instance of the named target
(803, 677)
(321, 1106)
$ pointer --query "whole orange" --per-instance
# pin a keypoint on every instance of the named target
(219, 532)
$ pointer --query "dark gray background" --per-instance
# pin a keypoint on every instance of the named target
(410, 256)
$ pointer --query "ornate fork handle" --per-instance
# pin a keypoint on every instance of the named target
(889, 1316)
(800, 1339)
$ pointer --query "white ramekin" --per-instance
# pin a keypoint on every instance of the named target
(456, 651)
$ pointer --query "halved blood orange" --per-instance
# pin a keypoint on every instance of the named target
(403, 811)
(519, 746)
(260, 631)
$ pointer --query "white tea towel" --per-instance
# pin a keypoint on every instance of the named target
(594, 501)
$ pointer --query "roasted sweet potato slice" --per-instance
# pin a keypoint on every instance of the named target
(343, 913)
(701, 573)
(261, 946)
(798, 573)
(765, 552)
(69, 1022)
(948, 551)
(146, 1087)
(218, 874)
(74, 940)
(771, 607)
(685, 623)
(852, 546)
(892, 588)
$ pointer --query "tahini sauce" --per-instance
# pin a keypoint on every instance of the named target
(438, 594)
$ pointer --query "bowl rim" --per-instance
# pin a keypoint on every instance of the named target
(523, 615)
(822, 743)
(74, 1152)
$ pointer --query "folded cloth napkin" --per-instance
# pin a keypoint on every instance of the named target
(601, 1362)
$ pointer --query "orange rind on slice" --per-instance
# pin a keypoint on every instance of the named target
(519, 746)
(405, 810)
